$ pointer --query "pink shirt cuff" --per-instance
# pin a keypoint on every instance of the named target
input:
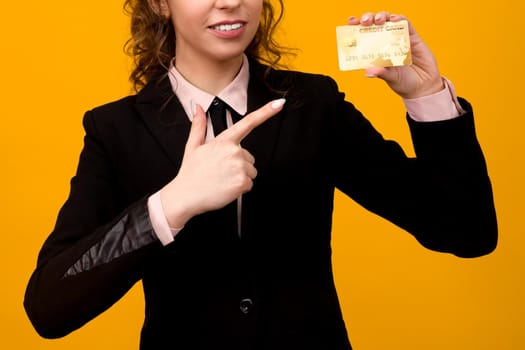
(159, 222)
(442, 105)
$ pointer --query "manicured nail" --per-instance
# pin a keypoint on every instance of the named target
(351, 18)
(278, 103)
(365, 18)
(193, 108)
(370, 75)
(378, 17)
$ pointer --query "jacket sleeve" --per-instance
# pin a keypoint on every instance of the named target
(96, 251)
(442, 196)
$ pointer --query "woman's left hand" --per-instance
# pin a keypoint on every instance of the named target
(421, 78)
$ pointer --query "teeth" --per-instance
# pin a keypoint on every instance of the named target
(228, 27)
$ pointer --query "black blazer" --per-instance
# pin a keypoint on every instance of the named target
(272, 288)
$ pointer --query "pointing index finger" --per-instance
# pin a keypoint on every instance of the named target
(238, 131)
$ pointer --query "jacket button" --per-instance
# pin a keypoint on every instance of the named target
(246, 305)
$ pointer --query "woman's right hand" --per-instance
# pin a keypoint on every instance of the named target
(215, 173)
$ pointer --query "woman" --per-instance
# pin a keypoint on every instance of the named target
(229, 231)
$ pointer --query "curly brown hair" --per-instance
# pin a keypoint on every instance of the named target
(152, 42)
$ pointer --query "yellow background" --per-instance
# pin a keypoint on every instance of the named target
(59, 59)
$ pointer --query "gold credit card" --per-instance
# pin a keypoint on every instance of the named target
(385, 45)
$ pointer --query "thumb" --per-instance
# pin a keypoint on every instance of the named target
(393, 76)
(198, 129)
(381, 73)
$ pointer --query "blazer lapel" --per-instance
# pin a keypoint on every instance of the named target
(167, 121)
(261, 141)
(165, 118)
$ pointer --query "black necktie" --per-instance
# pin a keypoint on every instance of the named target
(217, 112)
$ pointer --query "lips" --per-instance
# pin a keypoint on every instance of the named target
(227, 27)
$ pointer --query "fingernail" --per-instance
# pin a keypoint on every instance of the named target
(193, 108)
(370, 75)
(278, 103)
(378, 17)
(351, 18)
(365, 18)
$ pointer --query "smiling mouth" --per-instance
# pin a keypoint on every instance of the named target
(227, 27)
